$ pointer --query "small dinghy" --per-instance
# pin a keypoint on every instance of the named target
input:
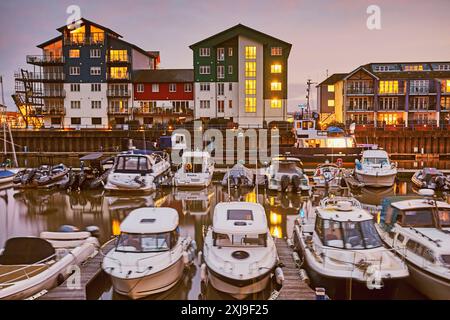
(239, 176)
(431, 178)
(31, 265)
(150, 256)
(327, 175)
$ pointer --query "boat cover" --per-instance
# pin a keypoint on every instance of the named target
(6, 174)
(22, 251)
(238, 170)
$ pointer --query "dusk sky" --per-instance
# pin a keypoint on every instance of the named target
(326, 35)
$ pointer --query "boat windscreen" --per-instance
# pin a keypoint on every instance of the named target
(234, 214)
(141, 243)
(26, 251)
(287, 167)
(418, 218)
(377, 161)
(444, 217)
(132, 164)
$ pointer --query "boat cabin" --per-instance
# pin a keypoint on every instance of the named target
(375, 158)
(149, 230)
(239, 224)
(196, 162)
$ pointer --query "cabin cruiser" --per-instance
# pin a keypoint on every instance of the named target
(196, 170)
(239, 177)
(30, 265)
(138, 172)
(150, 255)
(418, 229)
(286, 174)
(327, 175)
(239, 252)
(342, 250)
(375, 169)
(431, 178)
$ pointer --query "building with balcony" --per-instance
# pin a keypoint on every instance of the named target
(163, 96)
(241, 74)
(388, 95)
(82, 79)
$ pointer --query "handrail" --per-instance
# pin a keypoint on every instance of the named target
(28, 266)
(334, 200)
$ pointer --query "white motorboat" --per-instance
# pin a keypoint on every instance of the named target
(286, 174)
(31, 265)
(431, 178)
(327, 175)
(343, 251)
(375, 169)
(196, 170)
(418, 229)
(239, 252)
(138, 172)
(150, 256)
(239, 177)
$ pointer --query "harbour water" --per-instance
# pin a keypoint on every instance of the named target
(27, 213)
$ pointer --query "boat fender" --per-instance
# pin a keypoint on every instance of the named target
(290, 243)
(304, 276)
(193, 245)
(296, 258)
(93, 230)
(279, 276)
(203, 273)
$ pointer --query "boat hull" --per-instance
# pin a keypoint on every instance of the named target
(376, 180)
(137, 288)
(433, 287)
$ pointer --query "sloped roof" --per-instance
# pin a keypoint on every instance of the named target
(237, 30)
(333, 79)
(46, 43)
(164, 76)
(83, 20)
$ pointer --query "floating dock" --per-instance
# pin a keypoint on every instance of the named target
(89, 271)
(293, 287)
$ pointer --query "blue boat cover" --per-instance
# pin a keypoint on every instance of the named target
(335, 130)
(6, 174)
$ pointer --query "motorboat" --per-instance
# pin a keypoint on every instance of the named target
(138, 172)
(7, 176)
(431, 178)
(327, 175)
(286, 174)
(375, 169)
(239, 177)
(43, 177)
(196, 170)
(150, 255)
(343, 252)
(239, 253)
(417, 228)
(30, 265)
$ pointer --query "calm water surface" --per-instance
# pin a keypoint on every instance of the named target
(27, 213)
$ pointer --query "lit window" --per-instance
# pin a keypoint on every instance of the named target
(331, 103)
(275, 86)
(276, 68)
(74, 53)
(250, 104)
(250, 69)
(388, 87)
(414, 68)
(331, 88)
(276, 51)
(250, 86)
(118, 55)
(275, 104)
(77, 36)
(447, 89)
(119, 73)
(250, 52)
(97, 35)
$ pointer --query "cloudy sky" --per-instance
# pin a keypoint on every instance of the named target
(326, 35)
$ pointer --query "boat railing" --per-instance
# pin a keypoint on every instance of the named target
(333, 201)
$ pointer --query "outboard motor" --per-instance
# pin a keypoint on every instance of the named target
(296, 181)
(94, 231)
(284, 183)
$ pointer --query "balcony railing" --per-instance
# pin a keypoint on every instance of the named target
(54, 93)
(45, 60)
(117, 77)
(359, 91)
(53, 111)
(117, 110)
(400, 91)
(421, 91)
(164, 112)
(112, 93)
(394, 108)
(353, 108)
(81, 39)
(40, 76)
(118, 59)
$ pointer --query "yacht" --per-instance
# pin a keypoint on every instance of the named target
(327, 175)
(375, 169)
(343, 252)
(196, 170)
(286, 174)
(31, 265)
(418, 230)
(138, 172)
(150, 255)
(239, 252)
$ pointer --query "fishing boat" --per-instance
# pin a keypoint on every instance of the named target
(239, 177)
(239, 252)
(343, 251)
(196, 170)
(375, 169)
(30, 265)
(150, 255)
(417, 228)
(431, 178)
(286, 174)
(138, 172)
(327, 175)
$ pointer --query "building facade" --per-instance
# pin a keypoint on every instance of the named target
(83, 79)
(241, 74)
(163, 96)
(389, 95)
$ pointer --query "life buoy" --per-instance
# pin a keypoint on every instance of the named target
(188, 167)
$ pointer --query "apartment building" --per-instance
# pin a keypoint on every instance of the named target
(388, 95)
(241, 74)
